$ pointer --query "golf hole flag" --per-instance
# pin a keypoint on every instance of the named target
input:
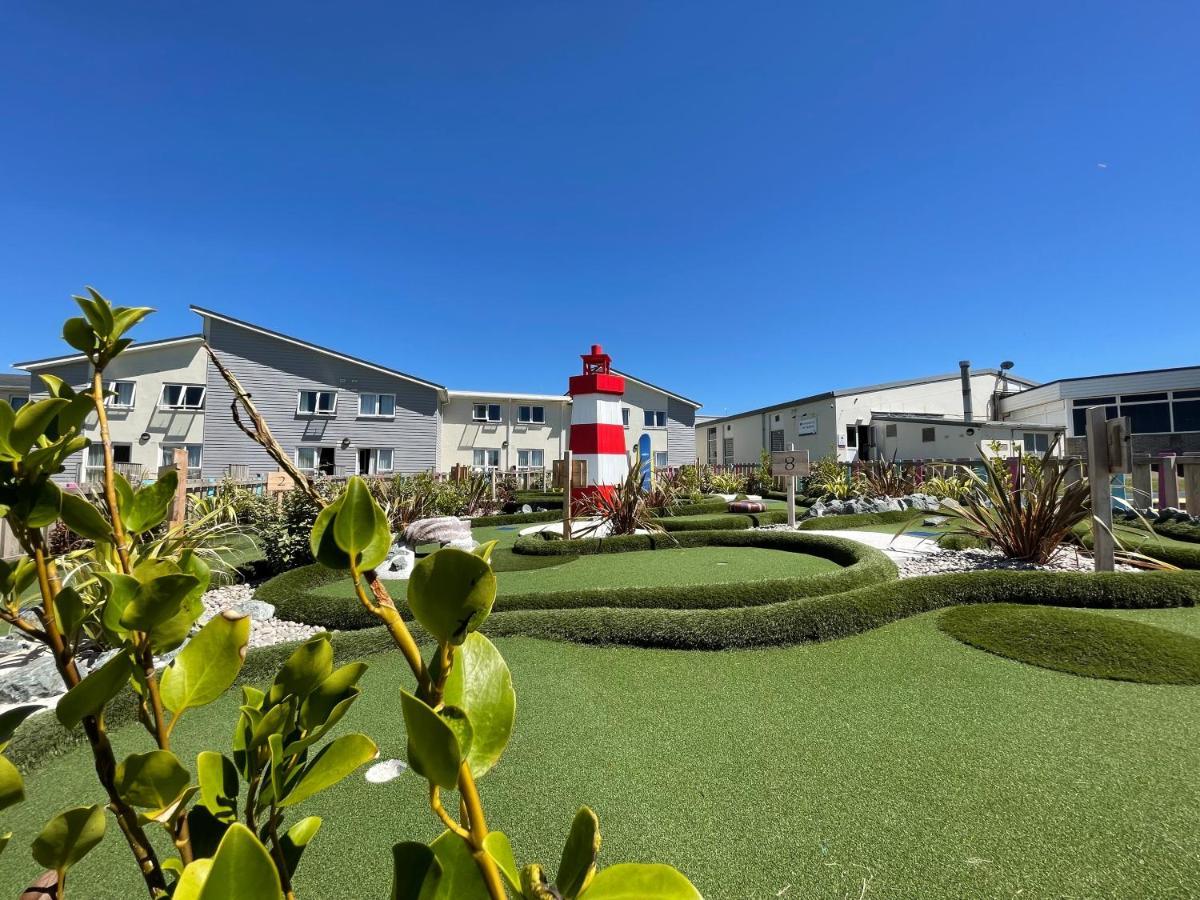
(597, 432)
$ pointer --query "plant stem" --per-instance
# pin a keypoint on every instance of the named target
(479, 832)
(385, 610)
(110, 486)
(285, 876)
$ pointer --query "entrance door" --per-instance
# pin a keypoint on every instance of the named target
(326, 461)
(864, 442)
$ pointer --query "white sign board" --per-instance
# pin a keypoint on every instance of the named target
(786, 463)
(806, 426)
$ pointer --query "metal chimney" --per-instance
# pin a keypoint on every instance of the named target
(964, 368)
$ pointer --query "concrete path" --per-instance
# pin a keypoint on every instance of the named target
(898, 547)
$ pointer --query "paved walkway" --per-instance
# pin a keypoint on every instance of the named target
(902, 546)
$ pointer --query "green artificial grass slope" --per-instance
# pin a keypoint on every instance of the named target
(898, 763)
(1068, 640)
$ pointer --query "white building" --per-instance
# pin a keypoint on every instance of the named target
(509, 432)
(156, 405)
(935, 417)
(1163, 406)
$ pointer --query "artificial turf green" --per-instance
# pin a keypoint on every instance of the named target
(1082, 643)
(898, 763)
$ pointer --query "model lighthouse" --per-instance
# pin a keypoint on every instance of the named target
(597, 431)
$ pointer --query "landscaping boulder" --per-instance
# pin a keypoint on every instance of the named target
(437, 530)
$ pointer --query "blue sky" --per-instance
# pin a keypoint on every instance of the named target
(744, 202)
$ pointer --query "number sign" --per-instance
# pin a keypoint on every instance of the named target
(785, 463)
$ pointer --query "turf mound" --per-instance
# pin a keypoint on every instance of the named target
(1080, 643)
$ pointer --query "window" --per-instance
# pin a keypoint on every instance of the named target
(535, 415)
(712, 446)
(1036, 441)
(777, 441)
(660, 459)
(928, 435)
(182, 396)
(655, 418)
(316, 403)
(377, 406)
(486, 412)
(851, 436)
(318, 460)
(1186, 412)
(625, 416)
(530, 459)
(728, 449)
(17, 402)
(122, 395)
(195, 454)
(93, 464)
(374, 460)
(485, 459)
(889, 430)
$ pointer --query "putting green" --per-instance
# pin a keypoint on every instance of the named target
(650, 568)
(896, 763)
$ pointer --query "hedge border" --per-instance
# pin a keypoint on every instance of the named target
(291, 592)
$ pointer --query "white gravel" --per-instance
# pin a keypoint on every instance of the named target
(940, 562)
(265, 628)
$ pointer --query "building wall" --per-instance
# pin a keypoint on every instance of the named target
(681, 432)
(951, 440)
(461, 435)
(9, 391)
(149, 369)
(273, 371)
(639, 398)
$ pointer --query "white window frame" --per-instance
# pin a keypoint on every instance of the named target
(183, 389)
(316, 410)
(529, 465)
(661, 459)
(657, 418)
(625, 416)
(378, 397)
(374, 468)
(171, 448)
(316, 451)
(98, 467)
(528, 414)
(111, 401)
(487, 413)
(483, 453)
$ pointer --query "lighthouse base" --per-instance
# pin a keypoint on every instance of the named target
(583, 499)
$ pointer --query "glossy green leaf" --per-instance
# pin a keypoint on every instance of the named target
(119, 592)
(241, 870)
(279, 719)
(89, 697)
(41, 504)
(325, 549)
(219, 784)
(460, 877)
(157, 601)
(152, 503)
(309, 665)
(126, 317)
(500, 850)
(5, 837)
(69, 837)
(79, 334)
(331, 692)
(460, 725)
(31, 422)
(191, 882)
(124, 493)
(85, 520)
(354, 526)
(71, 610)
(434, 752)
(451, 593)
(296, 841)
(98, 312)
(275, 744)
(335, 761)
(151, 780)
(578, 863)
(11, 718)
(484, 551)
(534, 885)
(208, 665)
(481, 684)
(640, 881)
(12, 786)
(168, 635)
(416, 871)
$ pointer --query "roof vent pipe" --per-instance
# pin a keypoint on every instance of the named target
(964, 368)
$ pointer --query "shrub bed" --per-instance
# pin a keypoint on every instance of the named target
(1080, 643)
(550, 515)
(857, 520)
(293, 593)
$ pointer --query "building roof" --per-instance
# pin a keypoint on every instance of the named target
(14, 381)
(501, 395)
(679, 397)
(966, 423)
(316, 348)
(132, 348)
(1108, 375)
(867, 389)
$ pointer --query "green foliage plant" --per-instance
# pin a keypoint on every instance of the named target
(136, 589)
(459, 717)
(830, 478)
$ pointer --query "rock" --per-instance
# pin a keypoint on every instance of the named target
(437, 530)
(467, 544)
(388, 770)
(36, 679)
(399, 563)
(526, 508)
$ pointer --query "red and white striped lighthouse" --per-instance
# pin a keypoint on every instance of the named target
(597, 432)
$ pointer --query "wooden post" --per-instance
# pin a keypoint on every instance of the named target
(791, 495)
(1168, 484)
(1142, 497)
(1191, 485)
(493, 475)
(178, 512)
(1099, 481)
(566, 480)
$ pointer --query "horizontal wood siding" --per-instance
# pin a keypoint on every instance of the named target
(681, 433)
(273, 371)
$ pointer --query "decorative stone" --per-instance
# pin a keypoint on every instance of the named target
(34, 680)
(437, 530)
(388, 770)
(399, 563)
